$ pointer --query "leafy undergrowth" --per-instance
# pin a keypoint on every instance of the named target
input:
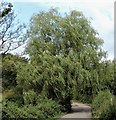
(46, 109)
(103, 106)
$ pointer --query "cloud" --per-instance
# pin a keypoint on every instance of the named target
(104, 23)
(101, 11)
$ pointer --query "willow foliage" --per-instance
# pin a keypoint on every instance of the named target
(65, 56)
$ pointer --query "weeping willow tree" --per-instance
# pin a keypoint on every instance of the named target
(65, 54)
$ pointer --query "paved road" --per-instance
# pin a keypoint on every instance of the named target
(79, 112)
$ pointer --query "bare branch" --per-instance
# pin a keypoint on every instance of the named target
(11, 32)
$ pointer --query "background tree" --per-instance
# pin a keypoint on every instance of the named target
(11, 32)
(9, 69)
(107, 75)
(9, 72)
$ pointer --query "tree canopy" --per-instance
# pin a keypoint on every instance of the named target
(65, 55)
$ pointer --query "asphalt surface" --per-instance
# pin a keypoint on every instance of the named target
(79, 112)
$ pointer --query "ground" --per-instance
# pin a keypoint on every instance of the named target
(79, 110)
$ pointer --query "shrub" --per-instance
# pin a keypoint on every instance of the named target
(109, 113)
(10, 109)
(103, 106)
(47, 109)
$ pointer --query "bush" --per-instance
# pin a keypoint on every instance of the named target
(103, 106)
(109, 113)
(10, 109)
(47, 109)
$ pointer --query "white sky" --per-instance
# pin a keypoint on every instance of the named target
(101, 11)
(63, 1)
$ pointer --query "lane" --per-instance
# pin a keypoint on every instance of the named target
(79, 111)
